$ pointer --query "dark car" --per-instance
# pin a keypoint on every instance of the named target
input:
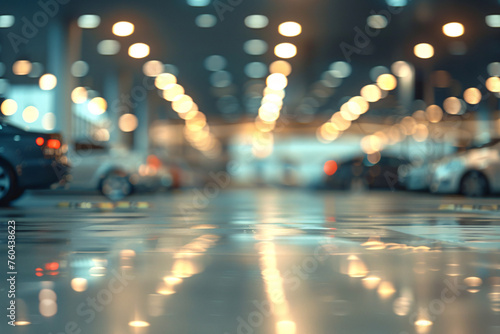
(361, 172)
(28, 160)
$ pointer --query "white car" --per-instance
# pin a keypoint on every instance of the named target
(473, 173)
(116, 173)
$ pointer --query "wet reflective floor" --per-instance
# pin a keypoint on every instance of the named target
(255, 261)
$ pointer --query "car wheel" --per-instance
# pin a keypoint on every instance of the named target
(474, 184)
(115, 186)
(7, 183)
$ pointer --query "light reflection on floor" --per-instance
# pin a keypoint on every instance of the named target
(265, 261)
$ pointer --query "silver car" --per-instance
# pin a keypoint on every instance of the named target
(473, 173)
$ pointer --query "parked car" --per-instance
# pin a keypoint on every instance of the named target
(29, 160)
(360, 172)
(115, 173)
(473, 173)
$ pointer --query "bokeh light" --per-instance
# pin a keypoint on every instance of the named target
(123, 28)
(387, 82)
(79, 95)
(290, 29)
(472, 95)
(89, 21)
(371, 93)
(172, 91)
(493, 84)
(108, 47)
(138, 50)
(285, 50)
(256, 21)
(128, 122)
(280, 66)
(30, 114)
(423, 50)
(21, 67)
(453, 29)
(276, 81)
(255, 47)
(8, 107)
(434, 113)
(97, 106)
(48, 81)
(165, 80)
(152, 68)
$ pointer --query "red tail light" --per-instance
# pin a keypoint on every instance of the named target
(39, 141)
(53, 143)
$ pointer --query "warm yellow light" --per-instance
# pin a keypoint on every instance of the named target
(329, 132)
(371, 144)
(152, 68)
(346, 113)
(172, 91)
(48, 81)
(21, 67)
(472, 95)
(339, 122)
(434, 113)
(182, 104)
(280, 66)
(128, 122)
(138, 50)
(493, 84)
(286, 327)
(269, 112)
(423, 50)
(197, 123)
(30, 114)
(422, 326)
(371, 282)
(97, 106)
(358, 105)
(285, 50)
(371, 93)
(452, 105)
(453, 29)
(401, 69)
(276, 81)
(421, 133)
(8, 107)
(189, 115)
(290, 29)
(79, 284)
(270, 91)
(79, 95)
(386, 289)
(163, 80)
(138, 323)
(387, 82)
(123, 28)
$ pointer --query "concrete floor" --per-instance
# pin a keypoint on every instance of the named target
(255, 261)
